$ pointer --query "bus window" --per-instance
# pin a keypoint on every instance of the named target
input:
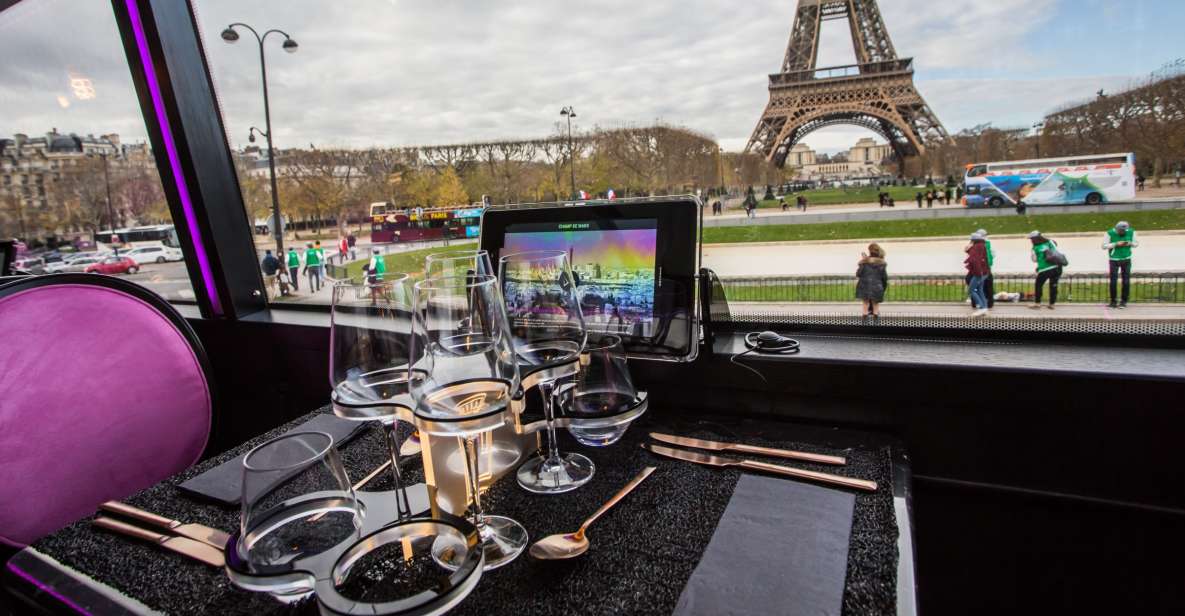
(977, 171)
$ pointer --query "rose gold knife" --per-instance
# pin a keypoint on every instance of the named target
(696, 443)
(205, 534)
(182, 545)
(711, 460)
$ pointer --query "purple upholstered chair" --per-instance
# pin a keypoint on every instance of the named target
(103, 392)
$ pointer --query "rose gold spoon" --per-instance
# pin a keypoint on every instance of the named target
(571, 545)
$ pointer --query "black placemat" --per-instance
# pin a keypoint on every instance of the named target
(781, 548)
(224, 482)
(642, 553)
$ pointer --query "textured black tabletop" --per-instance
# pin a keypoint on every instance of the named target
(642, 553)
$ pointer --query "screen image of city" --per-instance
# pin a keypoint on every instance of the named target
(614, 265)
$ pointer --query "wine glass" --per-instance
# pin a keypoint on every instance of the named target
(369, 358)
(548, 330)
(297, 502)
(464, 377)
(601, 389)
(457, 264)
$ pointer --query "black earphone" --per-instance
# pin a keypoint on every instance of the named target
(771, 342)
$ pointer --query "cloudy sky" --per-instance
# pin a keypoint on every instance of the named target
(405, 72)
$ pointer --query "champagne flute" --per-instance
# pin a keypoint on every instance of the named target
(463, 379)
(548, 330)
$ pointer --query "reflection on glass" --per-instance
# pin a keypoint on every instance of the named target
(603, 387)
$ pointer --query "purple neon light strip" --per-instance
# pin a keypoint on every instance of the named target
(45, 588)
(174, 161)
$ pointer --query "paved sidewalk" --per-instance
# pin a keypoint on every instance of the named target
(1134, 312)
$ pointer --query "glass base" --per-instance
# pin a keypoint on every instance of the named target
(548, 476)
(503, 540)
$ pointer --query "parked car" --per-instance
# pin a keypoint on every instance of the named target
(33, 265)
(153, 254)
(77, 264)
(113, 265)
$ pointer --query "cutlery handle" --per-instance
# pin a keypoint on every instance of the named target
(617, 497)
(114, 525)
(134, 513)
(789, 453)
(847, 482)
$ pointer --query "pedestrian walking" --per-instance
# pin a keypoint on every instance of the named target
(929, 198)
(919, 198)
(312, 267)
(802, 202)
(880, 196)
(989, 285)
(293, 268)
(321, 258)
(1050, 263)
(872, 279)
(977, 268)
(782, 202)
(376, 268)
(270, 266)
(343, 248)
(1118, 243)
(947, 195)
(352, 241)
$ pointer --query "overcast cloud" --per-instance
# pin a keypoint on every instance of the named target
(404, 72)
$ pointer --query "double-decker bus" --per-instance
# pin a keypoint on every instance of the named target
(1092, 180)
(392, 224)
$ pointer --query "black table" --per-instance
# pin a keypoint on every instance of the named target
(641, 557)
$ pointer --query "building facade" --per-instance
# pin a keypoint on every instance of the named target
(863, 161)
(45, 180)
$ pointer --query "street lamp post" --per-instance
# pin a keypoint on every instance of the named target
(569, 112)
(230, 35)
(1037, 127)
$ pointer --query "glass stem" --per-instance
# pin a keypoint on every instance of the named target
(551, 451)
(471, 462)
(402, 505)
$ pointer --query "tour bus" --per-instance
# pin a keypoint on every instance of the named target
(390, 223)
(1102, 178)
(135, 236)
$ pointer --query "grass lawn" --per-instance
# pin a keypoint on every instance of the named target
(942, 227)
(410, 262)
(856, 194)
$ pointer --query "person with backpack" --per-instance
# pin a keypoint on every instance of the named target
(1050, 263)
(270, 266)
(1119, 243)
(872, 279)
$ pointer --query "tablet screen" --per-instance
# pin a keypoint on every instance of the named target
(613, 260)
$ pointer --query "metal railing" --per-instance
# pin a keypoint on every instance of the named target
(1146, 287)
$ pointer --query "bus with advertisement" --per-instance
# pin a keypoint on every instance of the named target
(392, 224)
(1090, 180)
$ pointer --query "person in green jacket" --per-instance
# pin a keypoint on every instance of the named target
(1119, 243)
(1047, 269)
(312, 267)
(293, 268)
(377, 267)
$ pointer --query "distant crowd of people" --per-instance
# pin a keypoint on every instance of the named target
(872, 278)
(283, 278)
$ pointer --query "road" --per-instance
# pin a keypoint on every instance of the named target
(1158, 252)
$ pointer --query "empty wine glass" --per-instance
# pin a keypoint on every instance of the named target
(464, 377)
(601, 389)
(369, 357)
(297, 502)
(548, 330)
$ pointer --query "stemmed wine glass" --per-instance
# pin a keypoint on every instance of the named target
(369, 358)
(602, 388)
(464, 377)
(548, 330)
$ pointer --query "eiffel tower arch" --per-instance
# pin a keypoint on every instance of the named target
(877, 93)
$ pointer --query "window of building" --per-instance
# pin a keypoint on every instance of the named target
(75, 147)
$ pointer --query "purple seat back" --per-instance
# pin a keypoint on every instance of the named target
(101, 395)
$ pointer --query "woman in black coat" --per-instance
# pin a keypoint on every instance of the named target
(872, 279)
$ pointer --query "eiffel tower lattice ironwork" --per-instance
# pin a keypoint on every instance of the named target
(877, 93)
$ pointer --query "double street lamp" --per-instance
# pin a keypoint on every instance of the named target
(569, 112)
(230, 35)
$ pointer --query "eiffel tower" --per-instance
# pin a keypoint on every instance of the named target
(877, 93)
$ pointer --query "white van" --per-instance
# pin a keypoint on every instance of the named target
(152, 254)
